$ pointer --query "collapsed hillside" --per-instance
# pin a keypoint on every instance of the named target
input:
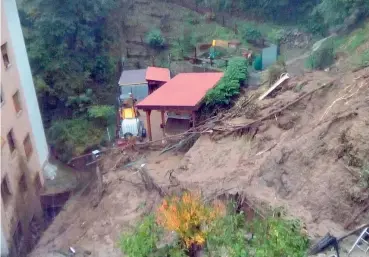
(311, 158)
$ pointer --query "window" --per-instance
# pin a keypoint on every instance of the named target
(17, 102)
(11, 141)
(5, 191)
(23, 183)
(27, 144)
(4, 53)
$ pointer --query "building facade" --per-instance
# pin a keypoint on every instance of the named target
(24, 151)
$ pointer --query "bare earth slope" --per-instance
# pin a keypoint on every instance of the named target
(308, 159)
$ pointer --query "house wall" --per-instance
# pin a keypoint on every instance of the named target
(25, 77)
(23, 202)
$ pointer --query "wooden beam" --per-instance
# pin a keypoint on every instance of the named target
(148, 121)
(163, 122)
(193, 119)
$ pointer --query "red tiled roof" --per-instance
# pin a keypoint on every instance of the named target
(184, 91)
(158, 74)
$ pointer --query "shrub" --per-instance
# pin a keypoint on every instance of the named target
(189, 217)
(252, 35)
(274, 72)
(227, 236)
(142, 241)
(102, 114)
(229, 85)
(276, 35)
(72, 137)
(155, 39)
(258, 63)
(278, 237)
(321, 58)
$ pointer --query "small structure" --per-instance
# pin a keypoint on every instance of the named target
(269, 56)
(156, 77)
(134, 81)
(182, 95)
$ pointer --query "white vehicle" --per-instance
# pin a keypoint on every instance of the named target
(133, 127)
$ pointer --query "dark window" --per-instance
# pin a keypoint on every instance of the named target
(27, 144)
(23, 183)
(6, 194)
(11, 141)
(4, 53)
(17, 102)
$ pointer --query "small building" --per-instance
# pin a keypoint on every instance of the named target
(156, 77)
(269, 56)
(180, 98)
(134, 81)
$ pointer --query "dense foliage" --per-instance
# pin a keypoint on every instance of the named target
(217, 230)
(316, 15)
(69, 46)
(71, 137)
(229, 85)
(155, 39)
(321, 58)
(142, 241)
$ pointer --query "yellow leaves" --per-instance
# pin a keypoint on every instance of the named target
(188, 216)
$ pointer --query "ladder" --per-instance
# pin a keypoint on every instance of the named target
(365, 244)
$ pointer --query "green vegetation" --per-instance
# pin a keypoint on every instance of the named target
(143, 240)
(275, 71)
(321, 58)
(219, 232)
(252, 35)
(71, 137)
(155, 39)
(229, 85)
(69, 44)
(102, 115)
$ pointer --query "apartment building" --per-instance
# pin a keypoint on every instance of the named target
(24, 151)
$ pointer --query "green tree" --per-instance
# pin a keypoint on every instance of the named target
(66, 43)
(155, 39)
(342, 13)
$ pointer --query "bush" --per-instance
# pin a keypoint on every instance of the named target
(229, 85)
(155, 39)
(189, 217)
(252, 35)
(72, 137)
(102, 115)
(321, 58)
(274, 72)
(227, 235)
(278, 237)
(276, 35)
(142, 241)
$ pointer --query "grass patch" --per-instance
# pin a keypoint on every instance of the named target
(354, 40)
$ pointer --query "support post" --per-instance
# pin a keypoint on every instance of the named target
(193, 119)
(163, 122)
(148, 121)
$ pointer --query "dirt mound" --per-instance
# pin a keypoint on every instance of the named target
(309, 158)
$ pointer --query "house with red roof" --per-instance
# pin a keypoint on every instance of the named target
(156, 77)
(179, 98)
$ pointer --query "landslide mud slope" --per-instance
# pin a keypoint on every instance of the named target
(310, 158)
